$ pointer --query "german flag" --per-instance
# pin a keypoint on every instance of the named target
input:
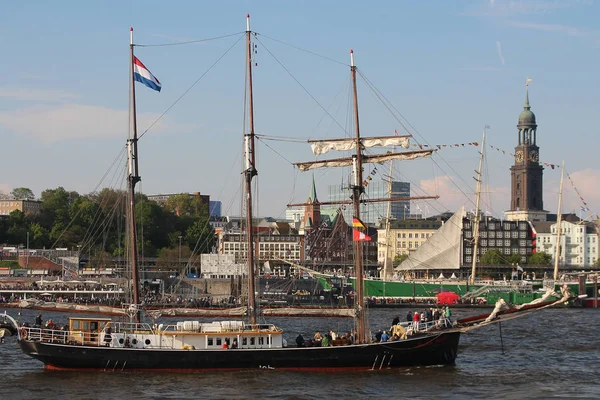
(357, 223)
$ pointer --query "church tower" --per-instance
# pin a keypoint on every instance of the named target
(312, 209)
(526, 203)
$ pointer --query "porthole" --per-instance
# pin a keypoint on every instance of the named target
(121, 341)
(147, 342)
(134, 341)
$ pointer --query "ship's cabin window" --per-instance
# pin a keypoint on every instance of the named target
(210, 341)
(244, 341)
(261, 341)
(252, 341)
(86, 325)
(94, 326)
(76, 325)
(219, 341)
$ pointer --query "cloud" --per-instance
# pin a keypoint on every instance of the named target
(569, 30)
(70, 121)
(36, 94)
(499, 47)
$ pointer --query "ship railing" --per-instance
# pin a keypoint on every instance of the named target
(427, 326)
(44, 335)
(132, 327)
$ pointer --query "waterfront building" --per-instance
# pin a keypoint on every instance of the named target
(508, 237)
(578, 242)
(373, 213)
(26, 206)
(214, 208)
(405, 237)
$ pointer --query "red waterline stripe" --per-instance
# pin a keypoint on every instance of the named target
(183, 370)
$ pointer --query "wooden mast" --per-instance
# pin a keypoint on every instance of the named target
(558, 223)
(357, 190)
(249, 172)
(477, 215)
(133, 178)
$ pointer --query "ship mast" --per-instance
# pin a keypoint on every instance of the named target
(357, 190)
(249, 172)
(356, 162)
(386, 261)
(477, 215)
(133, 178)
(558, 223)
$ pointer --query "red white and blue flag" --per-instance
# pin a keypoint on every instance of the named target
(143, 75)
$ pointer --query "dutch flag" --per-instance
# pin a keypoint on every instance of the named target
(143, 75)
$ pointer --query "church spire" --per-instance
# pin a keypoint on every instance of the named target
(527, 106)
(313, 191)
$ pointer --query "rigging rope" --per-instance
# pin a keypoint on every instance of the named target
(302, 86)
(306, 51)
(190, 88)
(188, 42)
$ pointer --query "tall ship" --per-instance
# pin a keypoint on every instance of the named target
(144, 343)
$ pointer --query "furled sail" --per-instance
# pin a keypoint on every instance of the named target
(378, 158)
(440, 251)
(323, 146)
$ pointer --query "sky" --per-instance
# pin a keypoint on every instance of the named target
(444, 69)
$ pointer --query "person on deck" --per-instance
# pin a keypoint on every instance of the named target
(385, 337)
(300, 340)
(448, 313)
(416, 320)
(409, 316)
(326, 342)
(234, 344)
(38, 320)
(107, 334)
(318, 337)
(396, 320)
(378, 336)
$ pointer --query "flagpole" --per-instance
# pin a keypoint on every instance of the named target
(133, 179)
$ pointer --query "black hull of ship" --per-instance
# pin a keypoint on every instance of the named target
(421, 351)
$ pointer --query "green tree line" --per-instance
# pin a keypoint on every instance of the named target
(96, 222)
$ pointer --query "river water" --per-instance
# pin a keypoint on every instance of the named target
(552, 354)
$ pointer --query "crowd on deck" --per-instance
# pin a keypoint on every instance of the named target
(428, 319)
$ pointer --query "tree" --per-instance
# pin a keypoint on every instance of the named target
(101, 259)
(514, 259)
(399, 258)
(200, 236)
(169, 258)
(493, 257)
(22, 194)
(540, 258)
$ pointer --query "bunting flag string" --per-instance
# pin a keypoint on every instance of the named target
(476, 144)
(370, 176)
(584, 207)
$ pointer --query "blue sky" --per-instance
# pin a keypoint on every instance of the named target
(449, 68)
